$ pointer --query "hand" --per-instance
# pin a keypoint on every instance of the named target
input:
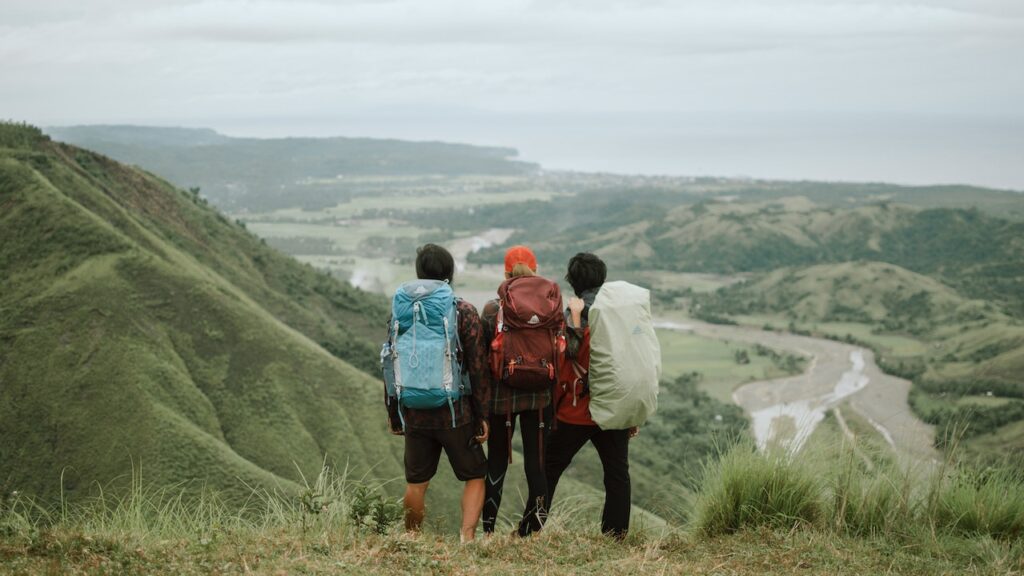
(576, 305)
(485, 431)
(396, 432)
(634, 432)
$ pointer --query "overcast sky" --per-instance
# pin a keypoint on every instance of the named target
(481, 70)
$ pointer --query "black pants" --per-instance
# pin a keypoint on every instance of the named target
(613, 449)
(533, 428)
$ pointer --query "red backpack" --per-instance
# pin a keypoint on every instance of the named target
(529, 333)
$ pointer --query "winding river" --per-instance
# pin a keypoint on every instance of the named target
(785, 411)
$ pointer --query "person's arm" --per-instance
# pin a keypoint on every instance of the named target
(488, 320)
(574, 332)
(474, 350)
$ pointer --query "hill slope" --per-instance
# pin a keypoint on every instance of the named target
(140, 328)
(867, 292)
(138, 324)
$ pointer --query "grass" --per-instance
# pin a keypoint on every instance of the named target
(745, 489)
(835, 488)
(555, 551)
(757, 514)
(982, 503)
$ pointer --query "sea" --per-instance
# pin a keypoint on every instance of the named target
(899, 148)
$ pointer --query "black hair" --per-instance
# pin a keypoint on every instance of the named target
(586, 272)
(434, 263)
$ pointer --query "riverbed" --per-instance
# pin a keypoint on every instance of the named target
(786, 411)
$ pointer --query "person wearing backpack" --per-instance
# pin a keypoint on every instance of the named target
(437, 389)
(525, 328)
(627, 370)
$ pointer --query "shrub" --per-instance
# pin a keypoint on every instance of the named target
(875, 501)
(988, 502)
(745, 489)
(369, 508)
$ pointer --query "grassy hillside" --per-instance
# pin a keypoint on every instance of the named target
(138, 325)
(143, 329)
(836, 511)
(875, 293)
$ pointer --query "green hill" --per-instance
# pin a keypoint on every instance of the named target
(137, 324)
(139, 327)
(870, 292)
(261, 174)
(980, 256)
(1000, 203)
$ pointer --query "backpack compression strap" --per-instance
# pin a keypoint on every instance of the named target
(448, 361)
(398, 373)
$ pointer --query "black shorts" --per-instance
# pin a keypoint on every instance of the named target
(423, 451)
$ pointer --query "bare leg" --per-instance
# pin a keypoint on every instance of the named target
(472, 505)
(415, 496)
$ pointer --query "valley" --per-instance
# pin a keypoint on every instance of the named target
(806, 220)
(926, 280)
(709, 351)
(793, 313)
(787, 410)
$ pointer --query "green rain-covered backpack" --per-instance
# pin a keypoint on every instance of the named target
(625, 357)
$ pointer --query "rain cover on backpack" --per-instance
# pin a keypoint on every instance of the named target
(421, 359)
(625, 357)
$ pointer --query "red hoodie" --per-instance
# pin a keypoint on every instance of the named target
(572, 395)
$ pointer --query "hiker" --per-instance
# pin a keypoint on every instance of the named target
(630, 373)
(436, 386)
(525, 328)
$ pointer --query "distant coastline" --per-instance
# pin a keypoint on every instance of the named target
(886, 147)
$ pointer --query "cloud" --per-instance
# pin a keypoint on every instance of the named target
(142, 59)
(513, 22)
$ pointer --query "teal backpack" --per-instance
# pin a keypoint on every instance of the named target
(422, 357)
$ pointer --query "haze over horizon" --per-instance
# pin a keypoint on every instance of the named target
(905, 92)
